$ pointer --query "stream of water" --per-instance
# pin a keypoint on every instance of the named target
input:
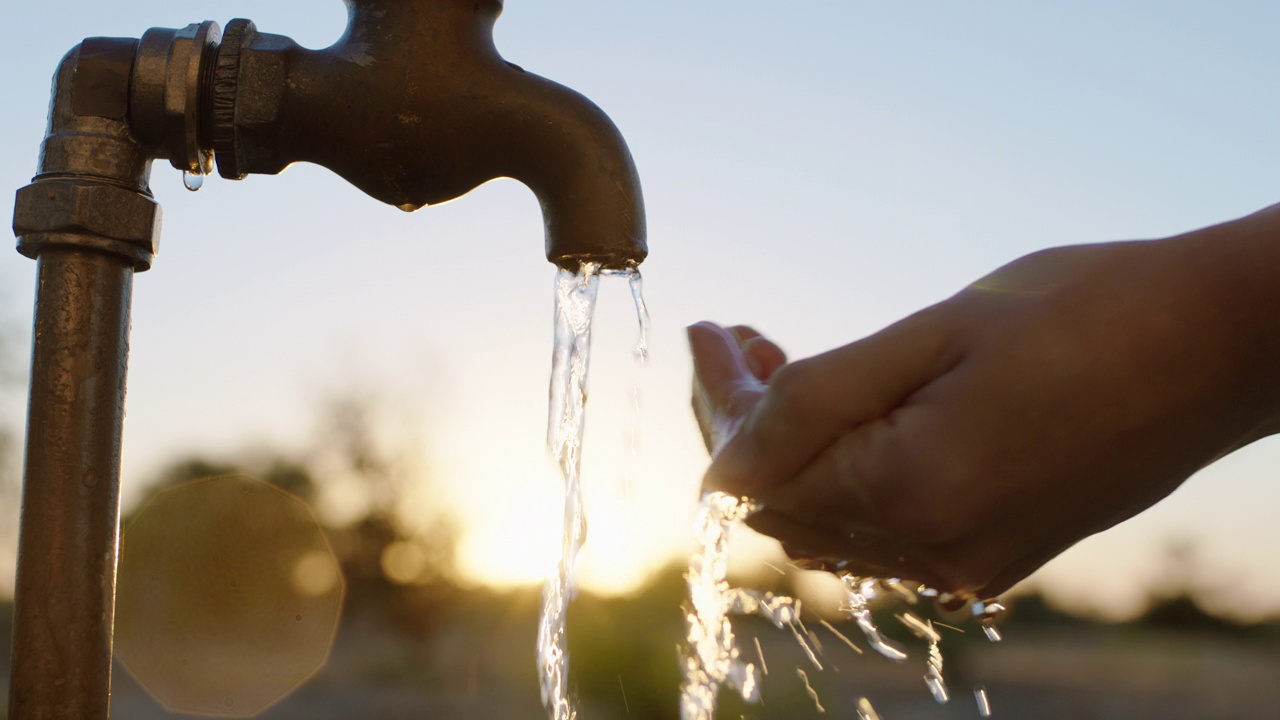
(575, 301)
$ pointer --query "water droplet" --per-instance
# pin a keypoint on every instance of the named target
(933, 675)
(984, 702)
(865, 711)
(986, 614)
(859, 592)
(192, 180)
(409, 207)
(813, 694)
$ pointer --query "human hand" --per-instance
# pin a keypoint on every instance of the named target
(970, 443)
(731, 367)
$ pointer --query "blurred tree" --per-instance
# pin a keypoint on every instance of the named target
(1173, 602)
(623, 651)
(398, 552)
(1035, 610)
(359, 476)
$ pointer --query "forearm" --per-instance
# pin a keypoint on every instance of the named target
(1232, 271)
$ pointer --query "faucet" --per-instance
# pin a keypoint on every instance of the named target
(413, 105)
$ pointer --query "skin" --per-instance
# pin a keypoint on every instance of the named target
(968, 444)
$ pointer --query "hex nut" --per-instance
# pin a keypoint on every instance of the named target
(261, 82)
(80, 206)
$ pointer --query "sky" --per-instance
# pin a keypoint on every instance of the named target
(817, 169)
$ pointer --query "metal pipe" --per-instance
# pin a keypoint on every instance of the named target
(414, 106)
(64, 599)
(89, 219)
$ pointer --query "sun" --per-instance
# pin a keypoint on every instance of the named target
(514, 539)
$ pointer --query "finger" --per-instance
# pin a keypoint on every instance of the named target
(719, 365)
(765, 357)
(986, 554)
(724, 386)
(812, 402)
(743, 333)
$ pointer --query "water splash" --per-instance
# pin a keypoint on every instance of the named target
(924, 630)
(984, 702)
(711, 657)
(933, 675)
(760, 654)
(813, 694)
(574, 308)
(899, 588)
(859, 592)
(986, 613)
(865, 711)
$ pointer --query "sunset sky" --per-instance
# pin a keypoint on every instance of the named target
(816, 168)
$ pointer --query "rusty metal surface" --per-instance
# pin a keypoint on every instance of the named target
(415, 107)
(61, 211)
(102, 78)
(169, 85)
(89, 218)
(64, 594)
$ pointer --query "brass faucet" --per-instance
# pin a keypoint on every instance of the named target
(413, 105)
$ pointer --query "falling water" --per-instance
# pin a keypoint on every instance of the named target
(711, 656)
(636, 283)
(575, 304)
(641, 353)
(574, 307)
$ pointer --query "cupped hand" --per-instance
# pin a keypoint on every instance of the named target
(968, 444)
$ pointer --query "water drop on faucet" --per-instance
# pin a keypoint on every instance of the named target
(192, 180)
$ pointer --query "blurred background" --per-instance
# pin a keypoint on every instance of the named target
(817, 169)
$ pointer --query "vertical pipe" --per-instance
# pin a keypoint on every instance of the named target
(89, 220)
(64, 600)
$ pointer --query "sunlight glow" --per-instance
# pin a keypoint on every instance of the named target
(516, 541)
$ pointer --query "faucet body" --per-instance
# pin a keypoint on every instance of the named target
(413, 105)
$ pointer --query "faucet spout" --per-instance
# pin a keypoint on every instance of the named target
(414, 106)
